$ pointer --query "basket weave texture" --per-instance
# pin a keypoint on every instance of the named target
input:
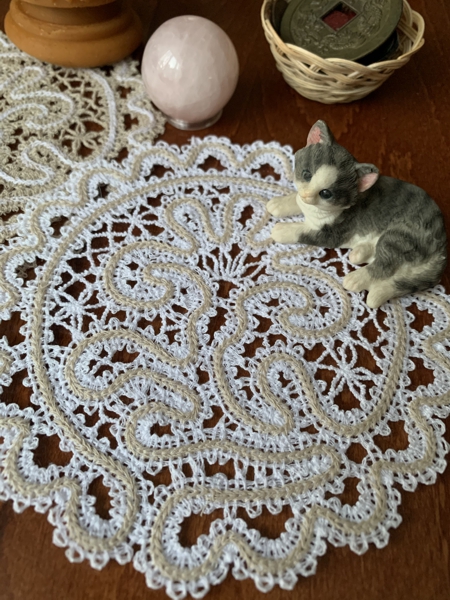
(335, 80)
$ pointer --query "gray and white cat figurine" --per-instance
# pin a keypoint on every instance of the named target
(392, 225)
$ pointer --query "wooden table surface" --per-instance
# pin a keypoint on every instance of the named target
(404, 128)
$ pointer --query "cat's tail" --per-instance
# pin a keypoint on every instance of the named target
(416, 278)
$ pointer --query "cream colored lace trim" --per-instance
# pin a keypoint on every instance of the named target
(164, 333)
(55, 120)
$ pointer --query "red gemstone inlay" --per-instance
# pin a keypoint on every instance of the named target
(339, 16)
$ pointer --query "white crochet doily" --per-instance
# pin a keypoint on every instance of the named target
(165, 338)
(55, 120)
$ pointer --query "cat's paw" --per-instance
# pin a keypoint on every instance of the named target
(284, 206)
(287, 233)
(363, 253)
(380, 292)
(358, 280)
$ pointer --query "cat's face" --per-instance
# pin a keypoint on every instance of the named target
(326, 177)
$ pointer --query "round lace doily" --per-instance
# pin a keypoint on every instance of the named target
(194, 369)
(54, 120)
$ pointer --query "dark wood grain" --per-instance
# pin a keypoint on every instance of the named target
(404, 128)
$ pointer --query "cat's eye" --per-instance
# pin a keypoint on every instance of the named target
(306, 175)
(325, 194)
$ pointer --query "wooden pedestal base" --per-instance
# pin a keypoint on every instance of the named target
(81, 36)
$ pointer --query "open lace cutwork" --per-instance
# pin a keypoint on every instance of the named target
(190, 368)
(54, 120)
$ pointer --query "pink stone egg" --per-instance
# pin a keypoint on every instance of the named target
(190, 70)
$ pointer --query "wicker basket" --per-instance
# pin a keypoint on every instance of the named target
(335, 80)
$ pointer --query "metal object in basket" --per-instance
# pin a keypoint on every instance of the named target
(359, 30)
(337, 80)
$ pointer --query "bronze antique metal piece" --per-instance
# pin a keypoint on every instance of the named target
(353, 29)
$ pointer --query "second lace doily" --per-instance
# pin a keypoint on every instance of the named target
(192, 367)
(55, 120)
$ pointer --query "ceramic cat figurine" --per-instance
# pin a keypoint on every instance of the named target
(392, 225)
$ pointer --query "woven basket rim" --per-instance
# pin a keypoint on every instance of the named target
(302, 54)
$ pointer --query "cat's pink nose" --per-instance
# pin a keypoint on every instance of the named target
(308, 199)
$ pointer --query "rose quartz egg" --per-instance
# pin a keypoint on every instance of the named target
(190, 70)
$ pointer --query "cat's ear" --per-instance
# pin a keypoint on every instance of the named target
(367, 175)
(320, 134)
